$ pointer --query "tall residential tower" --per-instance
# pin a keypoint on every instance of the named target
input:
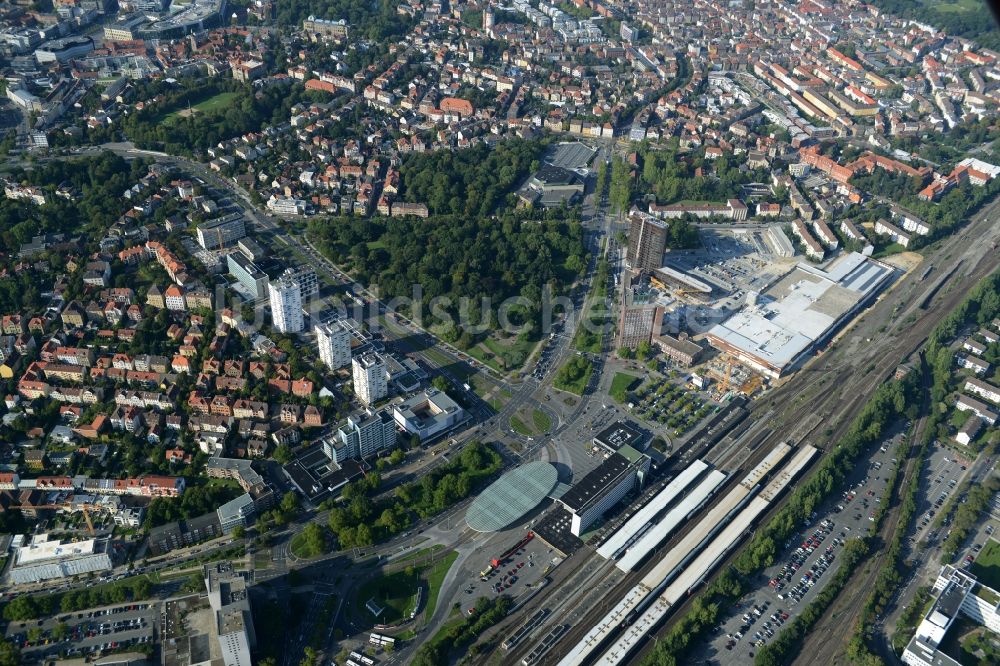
(370, 384)
(286, 304)
(334, 342)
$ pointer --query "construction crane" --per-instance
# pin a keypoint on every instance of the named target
(61, 507)
(724, 386)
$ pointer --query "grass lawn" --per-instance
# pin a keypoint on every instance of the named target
(298, 547)
(417, 554)
(222, 483)
(209, 105)
(434, 579)
(575, 385)
(958, 6)
(436, 356)
(485, 356)
(512, 352)
(987, 565)
(407, 635)
(395, 592)
(892, 248)
(621, 384)
(262, 560)
(542, 421)
(519, 426)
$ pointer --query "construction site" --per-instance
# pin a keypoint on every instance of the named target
(738, 312)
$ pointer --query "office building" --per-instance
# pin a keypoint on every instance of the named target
(958, 593)
(286, 304)
(647, 241)
(222, 232)
(252, 249)
(683, 351)
(604, 487)
(237, 513)
(428, 414)
(182, 533)
(334, 342)
(619, 434)
(362, 435)
(125, 29)
(325, 29)
(247, 274)
(306, 277)
(229, 597)
(370, 382)
(64, 49)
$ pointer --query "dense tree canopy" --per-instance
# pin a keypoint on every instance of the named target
(487, 613)
(458, 257)
(376, 21)
(468, 182)
(944, 216)
(968, 20)
(672, 176)
(99, 181)
(28, 607)
(166, 125)
(361, 522)
(194, 502)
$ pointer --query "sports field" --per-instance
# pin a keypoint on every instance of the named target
(208, 105)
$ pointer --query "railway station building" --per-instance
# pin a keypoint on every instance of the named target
(605, 486)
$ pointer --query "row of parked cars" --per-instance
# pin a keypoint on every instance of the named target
(109, 646)
(765, 632)
(791, 568)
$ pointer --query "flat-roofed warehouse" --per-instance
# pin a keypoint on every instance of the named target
(799, 312)
(46, 559)
(572, 155)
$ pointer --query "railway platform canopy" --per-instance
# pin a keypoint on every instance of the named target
(512, 496)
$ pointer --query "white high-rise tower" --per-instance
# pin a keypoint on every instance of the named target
(286, 304)
(334, 342)
(370, 384)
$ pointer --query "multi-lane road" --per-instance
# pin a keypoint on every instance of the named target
(831, 388)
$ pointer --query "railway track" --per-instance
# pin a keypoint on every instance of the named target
(914, 334)
(836, 627)
(835, 386)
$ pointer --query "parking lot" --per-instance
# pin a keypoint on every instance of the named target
(517, 574)
(85, 632)
(805, 565)
(941, 476)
